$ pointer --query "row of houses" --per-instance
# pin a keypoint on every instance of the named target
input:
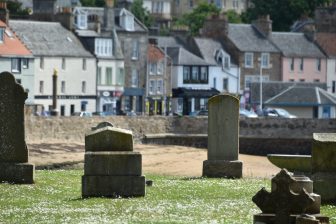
(106, 61)
(163, 11)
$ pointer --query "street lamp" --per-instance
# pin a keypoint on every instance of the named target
(261, 87)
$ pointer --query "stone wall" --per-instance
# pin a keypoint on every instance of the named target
(257, 136)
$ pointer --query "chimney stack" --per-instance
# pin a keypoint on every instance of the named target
(263, 24)
(109, 15)
(4, 13)
(215, 26)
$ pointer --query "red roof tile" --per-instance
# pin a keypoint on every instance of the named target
(154, 53)
(327, 41)
(12, 46)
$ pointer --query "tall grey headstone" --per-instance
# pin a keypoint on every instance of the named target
(14, 166)
(223, 138)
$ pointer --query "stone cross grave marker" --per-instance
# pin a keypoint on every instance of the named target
(223, 138)
(282, 201)
(14, 165)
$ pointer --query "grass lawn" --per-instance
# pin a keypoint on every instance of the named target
(56, 198)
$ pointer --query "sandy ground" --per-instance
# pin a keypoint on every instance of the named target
(156, 159)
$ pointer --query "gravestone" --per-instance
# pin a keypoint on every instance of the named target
(223, 138)
(324, 165)
(289, 199)
(321, 165)
(14, 166)
(111, 166)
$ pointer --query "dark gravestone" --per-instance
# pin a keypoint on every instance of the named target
(286, 202)
(111, 166)
(14, 167)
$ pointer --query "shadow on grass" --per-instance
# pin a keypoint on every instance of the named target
(192, 178)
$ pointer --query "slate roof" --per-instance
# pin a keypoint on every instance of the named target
(181, 56)
(327, 41)
(273, 88)
(248, 39)
(296, 45)
(163, 41)
(302, 96)
(11, 45)
(48, 39)
(208, 48)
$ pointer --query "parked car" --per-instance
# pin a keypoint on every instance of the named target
(82, 114)
(247, 113)
(131, 113)
(199, 113)
(277, 112)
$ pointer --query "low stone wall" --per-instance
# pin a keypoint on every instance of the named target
(257, 136)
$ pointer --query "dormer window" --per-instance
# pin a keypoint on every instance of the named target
(223, 59)
(81, 18)
(2, 33)
(103, 47)
(127, 20)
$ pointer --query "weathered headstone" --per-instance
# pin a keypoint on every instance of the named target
(14, 166)
(223, 138)
(111, 167)
(324, 165)
(321, 165)
(290, 198)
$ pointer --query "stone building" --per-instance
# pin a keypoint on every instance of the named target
(96, 29)
(180, 7)
(56, 48)
(159, 89)
(249, 46)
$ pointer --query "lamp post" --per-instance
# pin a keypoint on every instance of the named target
(261, 86)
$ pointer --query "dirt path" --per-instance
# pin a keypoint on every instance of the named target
(157, 159)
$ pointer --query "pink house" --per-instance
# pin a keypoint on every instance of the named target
(302, 60)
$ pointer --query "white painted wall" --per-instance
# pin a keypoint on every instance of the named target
(331, 73)
(115, 65)
(26, 76)
(73, 75)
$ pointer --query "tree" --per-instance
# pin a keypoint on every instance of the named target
(282, 12)
(233, 16)
(14, 8)
(195, 19)
(93, 3)
(141, 13)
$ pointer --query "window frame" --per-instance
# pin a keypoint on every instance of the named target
(63, 63)
(16, 65)
(292, 64)
(135, 78)
(25, 63)
(159, 86)
(263, 61)
(108, 76)
(301, 64)
(151, 89)
(41, 87)
(83, 86)
(2, 34)
(248, 55)
(41, 63)
(84, 65)
(63, 86)
(135, 50)
(318, 64)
